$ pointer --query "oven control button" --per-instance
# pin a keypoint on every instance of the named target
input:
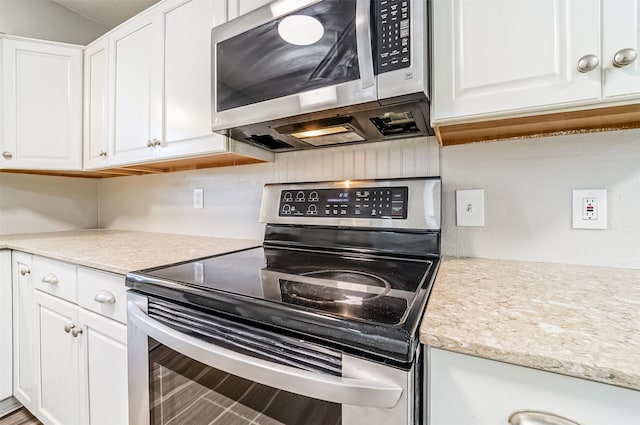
(313, 196)
(312, 210)
(286, 209)
(300, 197)
(288, 197)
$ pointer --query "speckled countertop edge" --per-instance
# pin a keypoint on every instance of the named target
(119, 251)
(580, 321)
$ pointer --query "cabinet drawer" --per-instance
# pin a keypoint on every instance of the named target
(55, 278)
(102, 293)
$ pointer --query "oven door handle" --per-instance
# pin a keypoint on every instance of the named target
(324, 387)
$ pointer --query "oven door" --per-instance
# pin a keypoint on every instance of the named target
(176, 377)
(257, 75)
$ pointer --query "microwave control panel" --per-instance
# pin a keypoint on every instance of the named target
(393, 48)
(375, 202)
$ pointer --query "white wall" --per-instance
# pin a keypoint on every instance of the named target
(32, 203)
(163, 203)
(47, 20)
(527, 185)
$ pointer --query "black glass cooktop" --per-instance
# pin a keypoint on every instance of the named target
(367, 302)
(368, 288)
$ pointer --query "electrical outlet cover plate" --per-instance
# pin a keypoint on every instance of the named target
(589, 208)
(198, 198)
(470, 208)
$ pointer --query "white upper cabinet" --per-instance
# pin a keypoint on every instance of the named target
(136, 111)
(186, 82)
(240, 7)
(508, 55)
(96, 101)
(160, 88)
(621, 43)
(42, 105)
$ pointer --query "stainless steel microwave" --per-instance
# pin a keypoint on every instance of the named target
(298, 74)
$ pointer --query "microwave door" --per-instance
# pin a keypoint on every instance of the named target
(259, 76)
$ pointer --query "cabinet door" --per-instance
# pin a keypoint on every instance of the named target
(496, 56)
(96, 97)
(57, 358)
(24, 375)
(620, 32)
(187, 77)
(105, 359)
(6, 353)
(240, 7)
(473, 391)
(42, 96)
(135, 90)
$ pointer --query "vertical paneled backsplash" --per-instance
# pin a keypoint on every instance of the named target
(163, 203)
(407, 158)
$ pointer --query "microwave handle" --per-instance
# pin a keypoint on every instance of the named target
(324, 387)
(363, 38)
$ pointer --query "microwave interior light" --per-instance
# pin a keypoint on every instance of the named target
(300, 30)
(320, 132)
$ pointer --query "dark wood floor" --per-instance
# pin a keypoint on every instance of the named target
(19, 417)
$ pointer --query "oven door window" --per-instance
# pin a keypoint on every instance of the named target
(260, 64)
(185, 391)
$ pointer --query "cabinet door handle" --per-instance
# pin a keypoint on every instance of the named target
(537, 417)
(51, 279)
(588, 63)
(103, 154)
(76, 332)
(156, 142)
(69, 327)
(105, 297)
(7, 155)
(149, 143)
(624, 57)
(24, 271)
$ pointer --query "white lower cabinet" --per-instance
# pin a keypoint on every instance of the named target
(473, 391)
(6, 352)
(58, 353)
(77, 339)
(24, 375)
(105, 369)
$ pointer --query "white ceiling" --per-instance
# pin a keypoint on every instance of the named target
(108, 13)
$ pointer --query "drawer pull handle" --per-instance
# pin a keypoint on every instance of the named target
(76, 332)
(51, 279)
(7, 155)
(24, 271)
(537, 417)
(105, 297)
(67, 328)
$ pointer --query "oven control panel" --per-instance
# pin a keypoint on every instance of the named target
(361, 202)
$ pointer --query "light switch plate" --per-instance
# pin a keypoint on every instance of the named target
(198, 198)
(470, 207)
(589, 209)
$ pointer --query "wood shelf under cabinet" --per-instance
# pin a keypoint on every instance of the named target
(219, 160)
(583, 121)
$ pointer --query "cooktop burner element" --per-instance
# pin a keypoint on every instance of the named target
(347, 263)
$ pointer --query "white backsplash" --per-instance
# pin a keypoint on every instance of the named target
(528, 198)
(163, 202)
(31, 203)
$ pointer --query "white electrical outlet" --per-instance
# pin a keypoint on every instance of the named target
(470, 208)
(198, 198)
(590, 209)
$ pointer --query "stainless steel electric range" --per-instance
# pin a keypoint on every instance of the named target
(319, 325)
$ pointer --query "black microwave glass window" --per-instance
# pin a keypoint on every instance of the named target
(259, 64)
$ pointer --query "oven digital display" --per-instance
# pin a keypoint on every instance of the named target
(362, 202)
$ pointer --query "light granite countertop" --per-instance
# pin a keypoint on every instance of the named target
(575, 320)
(121, 251)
